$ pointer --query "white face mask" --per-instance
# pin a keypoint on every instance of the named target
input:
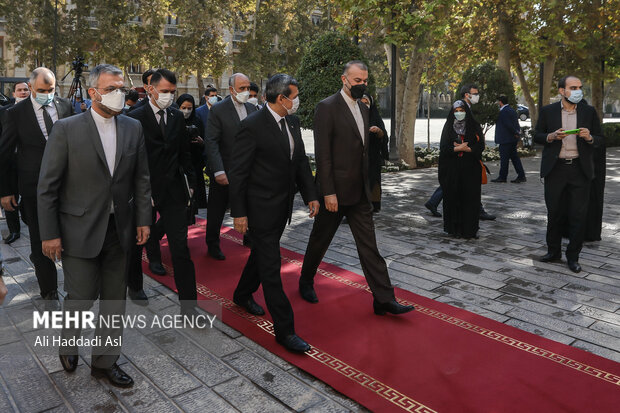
(253, 101)
(243, 96)
(474, 99)
(164, 100)
(295, 106)
(460, 115)
(114, 100)
(186, 113)
(17, 100)
(213, 100)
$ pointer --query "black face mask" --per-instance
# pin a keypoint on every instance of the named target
(357, 91)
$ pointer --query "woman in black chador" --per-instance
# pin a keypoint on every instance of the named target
(460, 172)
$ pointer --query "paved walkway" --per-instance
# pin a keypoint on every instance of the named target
(496, 276)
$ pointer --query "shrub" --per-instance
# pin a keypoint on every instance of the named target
(320, 70)
(611, 131)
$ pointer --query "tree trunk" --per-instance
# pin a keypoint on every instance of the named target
(548, 73)
(503, 40)
(597, 88)
(408, 111)
(201, 85)
(400, 90)
(527, 94)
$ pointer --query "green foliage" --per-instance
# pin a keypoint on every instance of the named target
(427, 157)
(320, 71)
(492, 82)
(611, 131)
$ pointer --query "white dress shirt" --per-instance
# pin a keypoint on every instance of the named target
(38, 111)
(157, 116)
(240, 108)
(288, 132)
(355, 110)
(107, 133)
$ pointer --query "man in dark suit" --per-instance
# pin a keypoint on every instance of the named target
(146, 79)
(341, 133)
(20, 92)
(94, 203)
(222, 125)
(507, 135)
(567, 167)
(27, 128)
(168, 149)
(270, 162)
(203, 111)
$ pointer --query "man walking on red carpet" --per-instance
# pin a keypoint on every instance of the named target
(341, 130)
(269, 162)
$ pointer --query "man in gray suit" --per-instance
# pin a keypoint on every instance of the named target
(223, 123)
(94, 200)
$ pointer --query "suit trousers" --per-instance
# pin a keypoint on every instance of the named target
(566, 186)
(216, 208)
(508, 152)
(263, 267)
(173, 218)
(135, 280)
(103, 277)
(44, 268)
(362, 226)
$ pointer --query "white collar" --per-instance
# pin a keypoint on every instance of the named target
(36, 105)
(502, 108)
(350, 101)
(155, 108)
(275, 114)
(100, 119)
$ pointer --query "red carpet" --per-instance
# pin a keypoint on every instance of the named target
(438, 358)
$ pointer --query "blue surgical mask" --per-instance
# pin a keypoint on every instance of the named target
(213, 100)
(44, 99)
(575, 96)
(460, 115)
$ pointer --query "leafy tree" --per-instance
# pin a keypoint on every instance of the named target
(320, 71)
(492, 82)
(277, 36)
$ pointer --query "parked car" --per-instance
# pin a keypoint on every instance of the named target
(523, 112)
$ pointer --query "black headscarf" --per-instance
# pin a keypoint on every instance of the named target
(184, 98)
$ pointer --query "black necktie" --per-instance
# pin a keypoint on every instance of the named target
(162, 123)
(285, 134)
(48, 120)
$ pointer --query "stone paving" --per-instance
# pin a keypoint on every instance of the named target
(496, 276)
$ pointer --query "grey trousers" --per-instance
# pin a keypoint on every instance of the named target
(103, 277)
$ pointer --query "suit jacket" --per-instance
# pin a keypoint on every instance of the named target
(341, 157)
(202, 112)
(550, 120)
(76, 189)
(507, 126)
(169, 156)
(263, 177)
(21, 131)
(223, 124)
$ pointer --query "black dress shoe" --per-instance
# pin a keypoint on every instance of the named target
(499, 180)
(294, 343)
(551, 257)
(485, 216)
(156, 268)
(115, 375)
(216, 253)
(69, 363)
(50, 301)
(519, 180)
(392, 307)
(307, 293)
(433, 210)
(574, 266)
(13, 236)
(139, 297)
(250, 306)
